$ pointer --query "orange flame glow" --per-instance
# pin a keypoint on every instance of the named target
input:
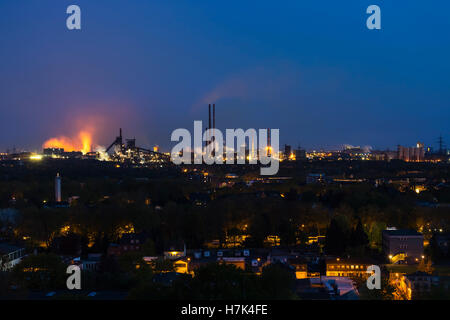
(83, 142)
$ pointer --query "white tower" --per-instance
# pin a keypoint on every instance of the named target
(58, 188)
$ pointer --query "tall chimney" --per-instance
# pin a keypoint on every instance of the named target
(214, 128)
(209, 116)
(209, 124)
(58, 188)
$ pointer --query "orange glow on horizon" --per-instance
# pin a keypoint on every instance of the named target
(83, 142)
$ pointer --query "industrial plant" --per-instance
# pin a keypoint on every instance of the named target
(120, 150)
(129, 152)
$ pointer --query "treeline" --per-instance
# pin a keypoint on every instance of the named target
(116, 200)
(162, 208)
(44, 272)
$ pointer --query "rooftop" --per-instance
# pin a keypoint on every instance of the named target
(402, 232)
(6, 248)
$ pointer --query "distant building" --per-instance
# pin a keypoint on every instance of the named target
(248, 259)
(441, 243)
(60, 153)
(301, 267)
(287, 151)
(91, 155)
(402, 245)
(339, 267)
(175, 251)
(300, 154)
(315, 178)
(355, 153)
(416, 284)
(383, 155)
(416, 153)
(182, 265)
(238, 262)
(129, 242)
(53, 152)
(92, 262)
(56, 205)
(327, 288)
(8, 216)
(281, 256)
(199, 198)
(10, 255)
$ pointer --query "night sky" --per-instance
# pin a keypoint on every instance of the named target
(310, 68)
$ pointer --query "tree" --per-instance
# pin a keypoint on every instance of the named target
(435, 251)
(359, 236)
(292, 195)
(336, 238)
(148, 248)
(130, 261)
(374, 233)
(277, 282)
(218, 282)
(41, 272)
(69, 244)
(358, 240)
(163, 265)
(426, 267)
(258, 230)
(385, 293)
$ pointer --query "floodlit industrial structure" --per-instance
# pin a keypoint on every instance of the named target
(129, 152)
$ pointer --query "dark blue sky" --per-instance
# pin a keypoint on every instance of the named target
(310, 68)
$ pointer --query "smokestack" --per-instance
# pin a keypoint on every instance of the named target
(214, 120)
(214, 116)
(214, 127)
(209, 122)
(58, 188)
(209, 116)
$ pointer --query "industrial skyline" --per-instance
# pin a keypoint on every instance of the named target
(84, 142)
(324, 80)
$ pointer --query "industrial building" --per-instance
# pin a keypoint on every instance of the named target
(416, 153)
(127, 151)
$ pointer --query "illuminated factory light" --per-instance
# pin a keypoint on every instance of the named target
(36, 157)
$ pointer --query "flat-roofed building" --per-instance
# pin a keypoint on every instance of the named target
(339, 267)
(301, 267)
(238, 262)
(403, 245)
(414, 285)
(10, 255)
